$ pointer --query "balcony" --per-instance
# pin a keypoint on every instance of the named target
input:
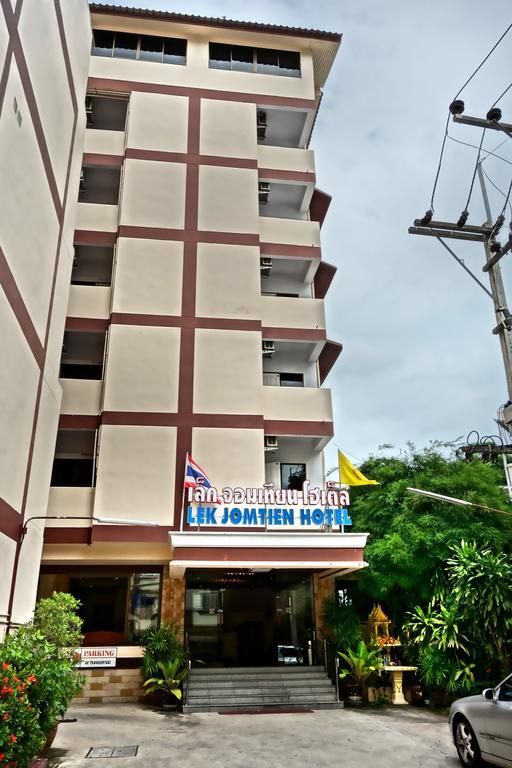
(89, 301)
(81, 396)
(286, 159)
(77, 502)
(96, 217)
(289, 232)
(297, 404)
(283, 127)
(102, 142)
(285, 312)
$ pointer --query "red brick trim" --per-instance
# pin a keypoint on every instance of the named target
(189, 159)
(178, 321)
(127, 86)
(328, 356)
(10, 521)
(106, 161)
(300, 428)
(15, 299)
(323, 279)
(305, 177)
(245, 554)
(89, 237)
(294, 334)
(110, 533)
(86, 324)
(77, 421)
(189, 235)
(288, 250)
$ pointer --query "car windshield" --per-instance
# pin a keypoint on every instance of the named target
(505, 693)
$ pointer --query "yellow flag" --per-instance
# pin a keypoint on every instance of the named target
(350, 475)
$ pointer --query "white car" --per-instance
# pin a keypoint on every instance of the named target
(481, 726)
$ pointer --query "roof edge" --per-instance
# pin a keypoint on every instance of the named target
(223, 23)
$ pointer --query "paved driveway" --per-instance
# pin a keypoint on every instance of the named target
(388, 738)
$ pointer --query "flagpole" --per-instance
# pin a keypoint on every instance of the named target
(183, 491)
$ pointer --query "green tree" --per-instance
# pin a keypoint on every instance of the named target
(410, 536)
(466, 627)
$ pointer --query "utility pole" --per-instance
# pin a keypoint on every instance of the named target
(494, 252)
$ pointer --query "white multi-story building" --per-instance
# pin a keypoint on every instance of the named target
(195, 322)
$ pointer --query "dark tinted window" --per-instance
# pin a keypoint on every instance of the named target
(72, 473)
(175, 51)
(220, 56)
(151, 48)
(242, 58)
(506, 690)
(103, 43)
(272, 62)
(125, 45)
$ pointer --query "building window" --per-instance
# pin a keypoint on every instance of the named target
(73, 465)
(271, 379)
(123, 45)
(82, 355)
(118, 605)
(293, 476)
(242, 58)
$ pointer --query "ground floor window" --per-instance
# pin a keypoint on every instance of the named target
(118, 605)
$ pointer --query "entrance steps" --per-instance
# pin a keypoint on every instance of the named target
(256, 688)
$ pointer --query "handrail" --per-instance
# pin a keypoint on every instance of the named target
(186, 683)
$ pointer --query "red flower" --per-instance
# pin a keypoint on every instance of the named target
(16, 679)
(12, 738)
(31, 679)
(5, 665)
(6, 679)
(1, 755)
(6, 715)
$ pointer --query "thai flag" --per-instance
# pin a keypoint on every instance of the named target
(194, 475)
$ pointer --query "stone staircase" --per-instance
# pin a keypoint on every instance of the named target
(257, 688)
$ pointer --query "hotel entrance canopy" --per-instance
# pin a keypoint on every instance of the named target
(331, 552)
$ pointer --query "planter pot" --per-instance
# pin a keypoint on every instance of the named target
(50, 739)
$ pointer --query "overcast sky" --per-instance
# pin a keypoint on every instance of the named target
(419, 362)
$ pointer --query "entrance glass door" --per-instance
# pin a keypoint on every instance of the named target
(248, 618)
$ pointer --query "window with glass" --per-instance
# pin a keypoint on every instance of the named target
(293, 476)
(117, 605)
(242, 58)
(125, 45)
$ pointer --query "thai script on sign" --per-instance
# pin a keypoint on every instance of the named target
(270, 496)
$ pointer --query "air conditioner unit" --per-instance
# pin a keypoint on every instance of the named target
(261, 125)
(82, 181)
(271, 443)
(263, 192)
(265, 267)
(268, 348)
(89, 110)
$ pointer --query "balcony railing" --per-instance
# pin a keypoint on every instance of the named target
(297, 404)
(286, 159)
(98, 142)
(284, 312)
(289, 231)
(81, 396)
(97, 217)
(89, 301)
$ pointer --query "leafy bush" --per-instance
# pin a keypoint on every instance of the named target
(342, 622)
(20, 734)
(168, 679)
(162, 644)
(47, 672)
(361, 662)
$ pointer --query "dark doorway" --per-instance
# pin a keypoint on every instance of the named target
(248, 618)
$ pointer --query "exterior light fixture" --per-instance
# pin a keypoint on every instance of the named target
(453, 500)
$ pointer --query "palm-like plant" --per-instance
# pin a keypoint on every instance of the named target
(361, 662)
(172, 674)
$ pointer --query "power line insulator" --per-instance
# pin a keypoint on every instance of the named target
(463, 218)
(457, 107)
(494, 115)
(425, 221)
(495, 247)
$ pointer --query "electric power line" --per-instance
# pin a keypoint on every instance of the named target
(502, 95)
(448, 118)
(488, 152)
(496, 187)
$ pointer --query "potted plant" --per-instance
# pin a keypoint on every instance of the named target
(168, 681)
(164, 661)
(360, 662)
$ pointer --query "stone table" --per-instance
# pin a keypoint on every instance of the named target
(397, 673)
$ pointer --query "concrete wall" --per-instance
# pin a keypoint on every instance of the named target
(42, 122)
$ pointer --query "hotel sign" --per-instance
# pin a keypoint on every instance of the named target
(268, 507)
(96, 658)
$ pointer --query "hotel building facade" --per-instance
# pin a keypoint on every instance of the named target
(163, 293)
